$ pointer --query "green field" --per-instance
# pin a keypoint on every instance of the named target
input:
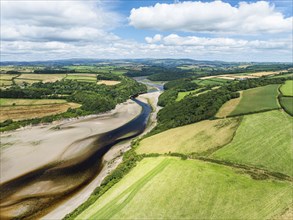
(210, 82)
(257, 99)
(82, 77)
(287, 104)
(195, 138)
(263, 140)
(287, 88)
(170, 188)
(181, 95)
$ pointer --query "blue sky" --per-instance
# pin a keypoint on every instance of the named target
(205, 30)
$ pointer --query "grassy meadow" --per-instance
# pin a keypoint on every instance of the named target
(263, 140)
(257, 99)
(195, 138)
(287, 88)
(170, 188)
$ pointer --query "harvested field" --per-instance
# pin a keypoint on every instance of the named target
(33, 111)
(39, 77)
(189, 189)
(108, 82)
(195, 138)
(268, 73)
(17, 102)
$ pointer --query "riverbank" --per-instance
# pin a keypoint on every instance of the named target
(110, 160)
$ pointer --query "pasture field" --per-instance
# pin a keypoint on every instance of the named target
(82, 77)
(181, 95)
(287, 88)
(263, 140)
(195, 138)
(108, 82)
(257, 99)
(228, 107)
(287, 104)
(17, 102)
(170, 188)
(27, 110)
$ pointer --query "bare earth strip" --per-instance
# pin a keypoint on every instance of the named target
(228, 107)
(34, 111)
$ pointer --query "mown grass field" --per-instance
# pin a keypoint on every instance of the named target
(263, 140)
(195, 138)
(32, 108)
(170, 188)
(287, 88)
(257, 99)
(287, 104)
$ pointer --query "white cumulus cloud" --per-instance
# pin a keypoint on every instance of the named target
(212, 17)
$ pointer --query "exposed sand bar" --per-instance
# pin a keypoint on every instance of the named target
(28, 149)
(42, 164)
(111, 160)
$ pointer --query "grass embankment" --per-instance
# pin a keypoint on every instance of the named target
(257, 100)
(263, 140)
(200, 137)
(22, 109)
(287, 88)
(189, 189)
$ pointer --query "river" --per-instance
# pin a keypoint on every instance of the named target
(33, 193)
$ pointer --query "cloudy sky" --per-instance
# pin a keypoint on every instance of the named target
(226, 30)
